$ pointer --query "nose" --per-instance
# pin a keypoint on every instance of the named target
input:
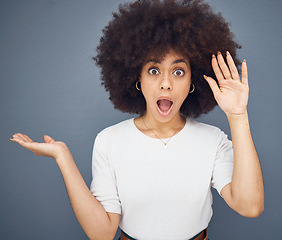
(166, 83)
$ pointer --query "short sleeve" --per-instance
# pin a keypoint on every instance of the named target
(223, 166)
(103, 185)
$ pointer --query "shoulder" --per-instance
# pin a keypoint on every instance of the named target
(202, 128)
(115, 130)
(208, 136)
(205, 131)
(115, 137)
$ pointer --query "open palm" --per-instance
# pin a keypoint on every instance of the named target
(231, 93)
(50, 148)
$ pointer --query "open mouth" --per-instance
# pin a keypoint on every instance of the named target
(164, 106)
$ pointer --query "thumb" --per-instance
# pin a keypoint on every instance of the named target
(48, 139)
(213, 85)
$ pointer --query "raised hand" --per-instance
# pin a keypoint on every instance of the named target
(50, 148)
(231, 93)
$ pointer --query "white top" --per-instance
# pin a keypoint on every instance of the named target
(160, 194)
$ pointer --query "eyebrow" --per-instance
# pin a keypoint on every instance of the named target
(158, 61)
(153, 60)
(180, 61)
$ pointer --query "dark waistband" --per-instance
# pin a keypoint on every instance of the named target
(131, 238)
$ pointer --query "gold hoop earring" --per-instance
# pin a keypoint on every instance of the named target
(136, 85)
(193, 88)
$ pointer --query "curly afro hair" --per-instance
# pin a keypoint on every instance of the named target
(152, 28)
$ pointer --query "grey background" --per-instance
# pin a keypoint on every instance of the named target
(50, 85)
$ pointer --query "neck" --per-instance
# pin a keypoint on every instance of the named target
(164, 129)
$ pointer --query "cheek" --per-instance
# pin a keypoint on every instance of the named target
(182, 94)
(183, 89)
(148, 88)
(146, 91)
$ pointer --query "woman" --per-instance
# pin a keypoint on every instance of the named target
(152, 175)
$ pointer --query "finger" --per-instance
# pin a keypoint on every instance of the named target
(213, 85)
(232, 67)
(26, 138)
(32, 146)
(48, 139)
(216, 69)
(21, 138)
(16, 140)
(24, 144)
(244, 73)
(18, 136)
(225, 70)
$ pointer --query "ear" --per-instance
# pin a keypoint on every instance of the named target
(138, 85)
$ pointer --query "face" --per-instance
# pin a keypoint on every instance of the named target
(165, 85)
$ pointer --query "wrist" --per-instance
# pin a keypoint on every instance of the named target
(238, 120)
(63, 155)
(242, 115)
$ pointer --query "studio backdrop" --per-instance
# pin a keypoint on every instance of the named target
(50, 85)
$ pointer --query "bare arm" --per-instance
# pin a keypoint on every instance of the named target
(95, 221)
(245, 194)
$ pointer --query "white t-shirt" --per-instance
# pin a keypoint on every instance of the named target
(160, 194)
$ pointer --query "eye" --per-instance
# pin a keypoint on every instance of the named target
(179, 72)
(153, 71)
